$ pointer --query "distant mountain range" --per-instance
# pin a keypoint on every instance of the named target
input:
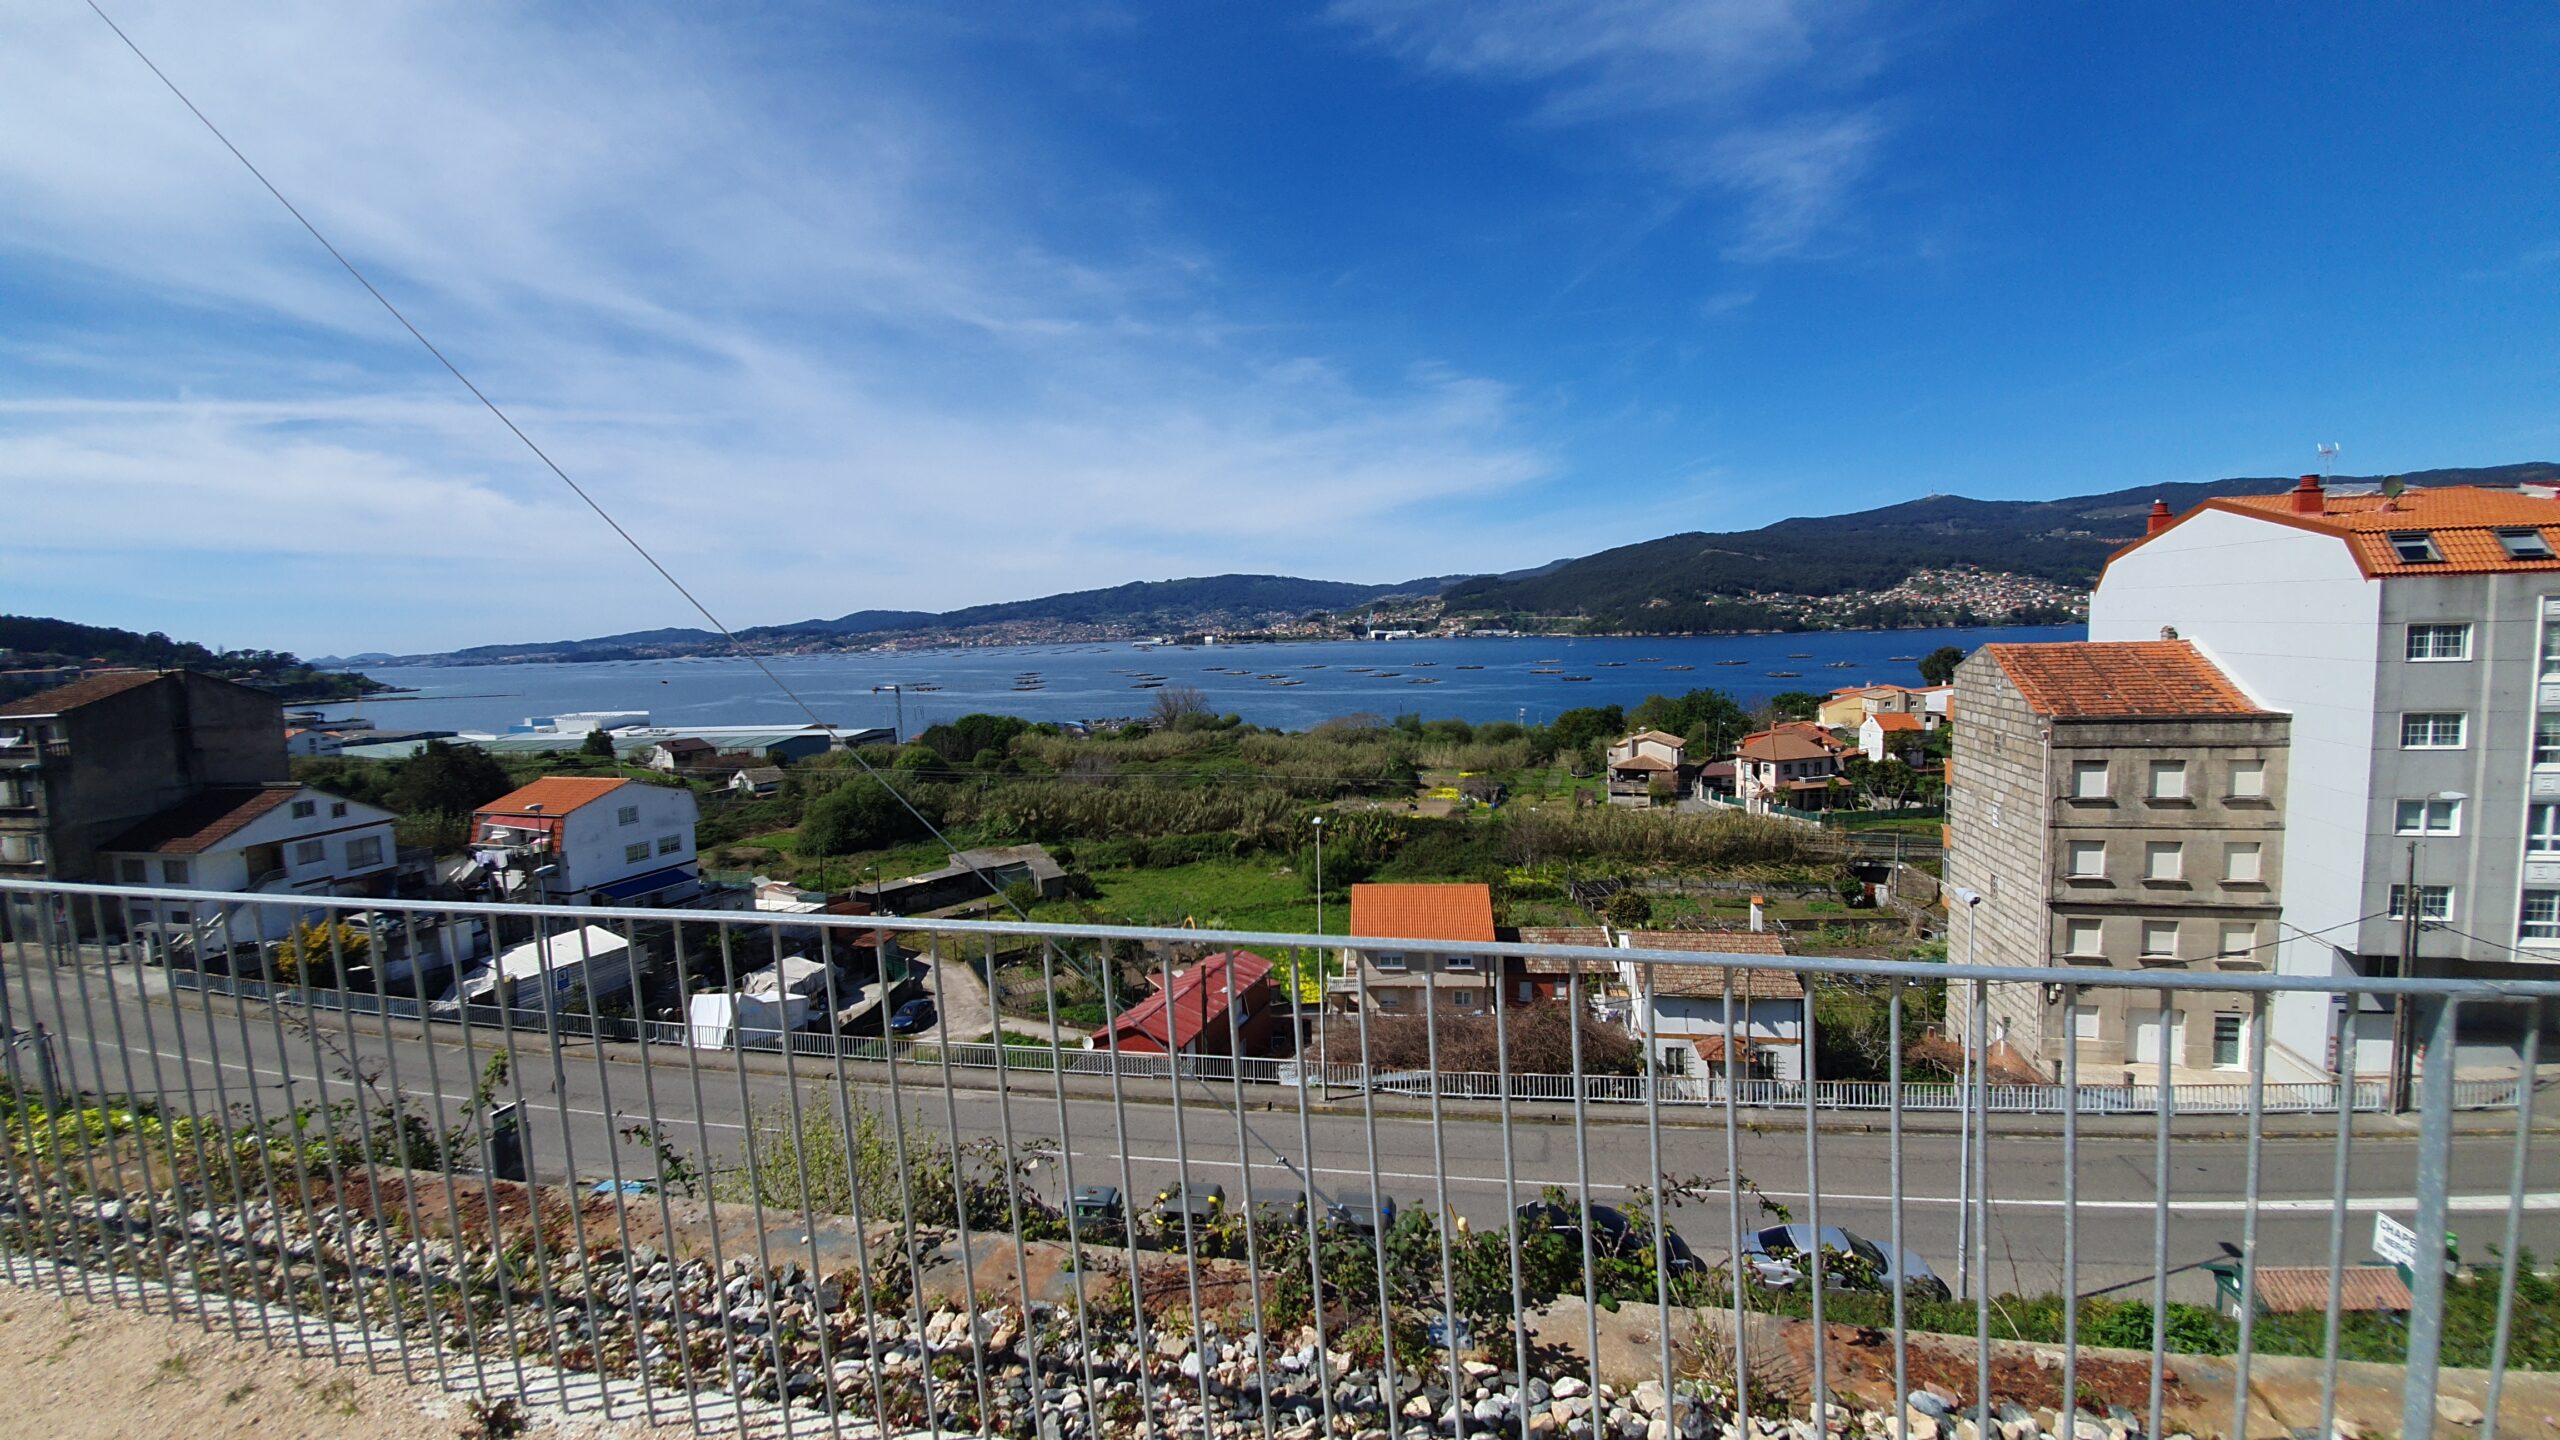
(1938, 560)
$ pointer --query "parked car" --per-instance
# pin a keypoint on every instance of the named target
(1097, 1207)
(1776, 1255)
(1613, 1235)
(914, 1017)
(1199, 1203)
(1361, 1214)
(1286, 1208)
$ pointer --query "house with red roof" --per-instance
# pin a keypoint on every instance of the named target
(589, 840)
(1392, 979)
(279, 839)
(1894, 735)
(1218, 1005)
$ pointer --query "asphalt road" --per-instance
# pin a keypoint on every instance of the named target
(205, 1052)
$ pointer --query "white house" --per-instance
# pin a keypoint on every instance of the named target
(1681, 1008)
(1894, 735)
(577, 840)
(276, 839)
(301, 743)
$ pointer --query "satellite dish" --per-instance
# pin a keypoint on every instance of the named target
(2392, 487)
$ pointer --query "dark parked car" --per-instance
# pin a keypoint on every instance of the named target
(1361, 1214)
(1613, 1235)
(1096, 1206)
(1201, 1203)
(913, 1017)
(1776, 1255)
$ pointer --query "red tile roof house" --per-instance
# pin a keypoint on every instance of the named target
(1687, 1017)
(1199, 1004)
(280, 839)
(1393, 978)
(1893, 735)
(573, 840)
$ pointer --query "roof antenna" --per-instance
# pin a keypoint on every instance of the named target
(2328, 460)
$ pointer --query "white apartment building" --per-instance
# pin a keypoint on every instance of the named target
(278, 839)
(2414, 640)
(577, 840)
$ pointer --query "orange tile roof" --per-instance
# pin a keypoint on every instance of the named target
(553, 795)
(1785, 744)
(1642, 762)
(202, 823)
(2096, 678)
(1423, 912)
(1656, 736)
(1897, 720)
(2464, 519)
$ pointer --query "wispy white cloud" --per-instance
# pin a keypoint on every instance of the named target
(1759, 99)
(799, 326)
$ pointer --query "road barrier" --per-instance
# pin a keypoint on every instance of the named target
(493, 1208)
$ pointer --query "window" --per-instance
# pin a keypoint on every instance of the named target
(2429, 817)
(2081, 938)
(1527, 991)
(305, 809)
(2542, 830)
(2228, 1032)
(2240, 862)
(2550, 646)
(2435, 902)
(1465, 964)
(2088, 779)
(2546, 739)
(2248, 779)
(2525, 544)
(338, 810)
(364, 852)
(2084, 1021)
(627, 815)
(2431, 731)
(137, 872)
(2541, 921)
(2439, 642)
(1463, 999)
(173, 872)
(179, 915)
(2239, 940)
(2168, 779)
(2416, 547)
(2088, 860)
(311, 852)
(636, 852)
(2163, 860)
(1390, 961)
(1391, 999)
(670, 844)
(2159, 939)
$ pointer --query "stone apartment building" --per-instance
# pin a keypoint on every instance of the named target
(1395, 980)
(2115, 806)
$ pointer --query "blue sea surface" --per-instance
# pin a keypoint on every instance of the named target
(1476, 679)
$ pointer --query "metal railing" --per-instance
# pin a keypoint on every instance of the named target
(577, 1199)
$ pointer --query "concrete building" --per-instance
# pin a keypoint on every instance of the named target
(2415, 641)
(573, 840)
(1394, 979)
(280, 839)
(82, 763)
(1682, 1008)
(2116, 806)
(1647, 766)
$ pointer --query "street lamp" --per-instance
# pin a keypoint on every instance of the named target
(901, 733)
(1972, 899)
(2412, 908)
(1324, 1057)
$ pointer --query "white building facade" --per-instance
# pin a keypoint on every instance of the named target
(281, 839)
(574, 840)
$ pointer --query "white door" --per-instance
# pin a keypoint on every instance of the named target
(2146, 1038)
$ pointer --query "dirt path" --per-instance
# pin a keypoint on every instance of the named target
(86, 1371)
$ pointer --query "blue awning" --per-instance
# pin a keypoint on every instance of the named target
(639, 885)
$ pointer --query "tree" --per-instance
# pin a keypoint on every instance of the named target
(599, 743)
(1180, 707)
(1628, 909)
(1938, 667)
(1795, 704)
(858, 815)
(448, 779)
(1711, 717)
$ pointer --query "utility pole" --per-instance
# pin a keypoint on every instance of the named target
(1324, 972)
(2404, 1030)
(1972, 901)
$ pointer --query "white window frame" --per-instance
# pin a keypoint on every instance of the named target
(630, 858)
(1458, 964)
(305, 809)
(2244, 862)
(364, 852)
(2082, 772)
(2084, 1020)
(670, 844)
(2168, 782)
(2424, 729)
(2427, 815)
(2541, 928)
(2435, 641)
(2229, 951)
(2255, 786)
(2074, 849)
(2542, 829)
(1389, 962)
(627, 815)
(2525, 543)
(2435, 902)
(2156, 851)
(2414, 547)
(2150, 932)
(310, 852)
(173, 872)
(2238, 1026)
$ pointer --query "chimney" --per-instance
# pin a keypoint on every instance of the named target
(2308, 497)
(2159, 520)
(1759, 921)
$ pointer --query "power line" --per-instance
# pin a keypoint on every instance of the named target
(548, 463)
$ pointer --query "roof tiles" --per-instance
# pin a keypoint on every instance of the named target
(1748, 984)
(553, 795)
(64, 698)
(2463, 519)
(2121, 678)
(1423, 912)
(203, 822)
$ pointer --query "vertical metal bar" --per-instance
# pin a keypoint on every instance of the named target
(330, 1161)
(1244, 1180)
(1377, 1213)
(231, 1158)
(1307, 1178)
(2249, 1220)
(2529, 1063)
(399, 1157)
(1445, 1220)
(1182, 1177)
(755, 1192)
(1013, 1183)
(1655, 1183)
(504, 994)
(702, 1136)
(1128, 1207)
(195, 1139)
(2070, 1407)
(64, 950)
(1813, 1219)
(853, 1181)
(552, 1000)
(1981, 1108)
(1511, 1199)
(913, 1261)
(613, 1160)
(1067, 1182)
(439, 1136)
(2164, 1102)
(1900, 1408)
(800, 1167)
(2344, 1030)
(2435, 1143)
(1582, 1181)
(676, 1305)
(133, 1106)
(19, 1228)
(1742, 1278)
(266, 1156)
(960, 1206)
(500, 1265)
(357, 1080)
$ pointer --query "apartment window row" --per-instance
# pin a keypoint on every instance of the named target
(2243, 861)
(2435, 902)
(2230, 1035)
(2166, 780)
(2085, 938)
(2430, 816)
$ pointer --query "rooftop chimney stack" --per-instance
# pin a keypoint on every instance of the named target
(2308, 497)
(2159, 518)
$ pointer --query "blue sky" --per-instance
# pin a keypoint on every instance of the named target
(921, 306)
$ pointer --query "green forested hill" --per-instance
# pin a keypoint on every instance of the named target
(34, 641)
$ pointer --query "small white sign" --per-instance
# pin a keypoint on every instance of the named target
(2394, 1241)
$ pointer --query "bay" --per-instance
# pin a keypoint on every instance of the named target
(1476, 679)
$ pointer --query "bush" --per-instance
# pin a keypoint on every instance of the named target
(859, 815)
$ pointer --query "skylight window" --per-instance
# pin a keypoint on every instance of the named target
(2415, 547)
(2525, 544)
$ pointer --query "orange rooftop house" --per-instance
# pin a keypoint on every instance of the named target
(2412, 633)
(1395, 980)
(1791, 764)
(575, 840)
